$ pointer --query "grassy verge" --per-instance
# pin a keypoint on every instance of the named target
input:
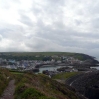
(16, 72)
(31, 86)
(64, 75)
(26, 87)
(5, 76)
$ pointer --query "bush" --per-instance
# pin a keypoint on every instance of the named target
(31, 93)
(20, 88)
(28, 93)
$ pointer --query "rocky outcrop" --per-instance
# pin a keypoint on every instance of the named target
(86, 83)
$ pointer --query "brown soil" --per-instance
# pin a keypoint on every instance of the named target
(9, 91)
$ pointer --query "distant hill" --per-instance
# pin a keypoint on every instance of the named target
(86, 83)
(41, 55)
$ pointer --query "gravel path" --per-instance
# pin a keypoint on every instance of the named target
(9, 91)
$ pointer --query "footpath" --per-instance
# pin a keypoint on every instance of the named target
(9, 91)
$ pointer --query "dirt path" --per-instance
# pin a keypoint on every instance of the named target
(9, 91)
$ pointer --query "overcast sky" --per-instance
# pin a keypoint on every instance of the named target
(50, 25)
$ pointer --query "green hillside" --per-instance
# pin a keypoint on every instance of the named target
(31, 86)
(41, 55)
(36, 86)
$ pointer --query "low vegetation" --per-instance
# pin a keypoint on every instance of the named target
(5, 76)
(64, 75)
(16, 72)
(36, 86)
(31, 86)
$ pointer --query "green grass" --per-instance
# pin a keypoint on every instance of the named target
(17, 73)
(4, 74)
(29, 93)
(38, 53)
(31, 86)
(64, 75)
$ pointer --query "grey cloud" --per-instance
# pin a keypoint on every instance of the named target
(58, 2)
(5, 4)
(66, 38)
(26, 20)
(78, 22)
(39, 44)
(50, 10)
(50, 33)
(0, 37)
(95, 23)
(93, 8)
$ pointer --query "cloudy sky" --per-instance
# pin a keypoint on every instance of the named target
(50, 25)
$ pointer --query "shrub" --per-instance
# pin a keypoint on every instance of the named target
(31, 93)
(28, 93)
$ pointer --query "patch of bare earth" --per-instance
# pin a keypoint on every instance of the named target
(9, 91)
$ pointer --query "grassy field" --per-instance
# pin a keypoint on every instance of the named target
(64, 75)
